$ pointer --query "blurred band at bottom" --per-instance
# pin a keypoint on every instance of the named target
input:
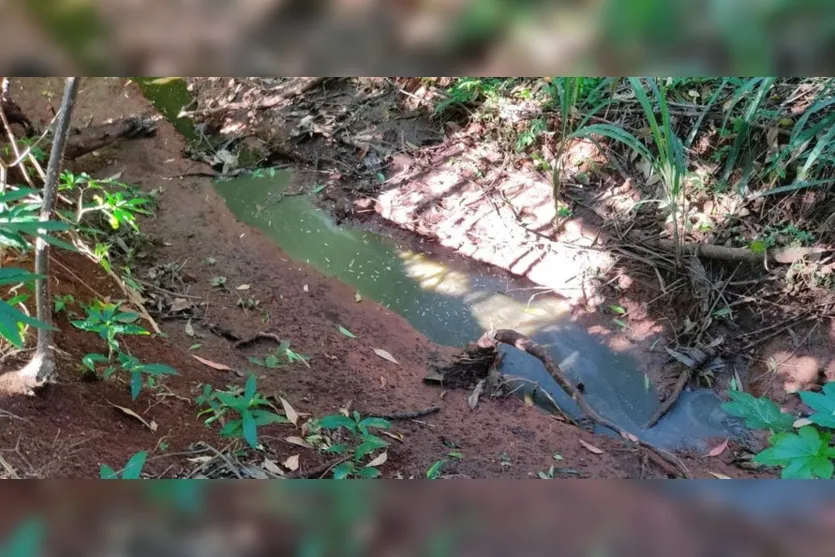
(307, 518)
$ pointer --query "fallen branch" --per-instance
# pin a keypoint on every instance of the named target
(668, 403)
(408, 415)
(725, 253)
(267, 102)
(671, 464)
(255, 338)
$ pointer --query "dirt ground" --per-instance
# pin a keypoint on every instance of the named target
(72, 427)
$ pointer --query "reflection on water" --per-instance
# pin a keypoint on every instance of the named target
(453, 305)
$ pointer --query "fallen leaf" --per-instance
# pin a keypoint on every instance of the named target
(382, 382)
(190, 328)
(211, 364)
(630, 437)
(132, 414)
(292, 463)
(385, 355)
(528, 399)
(200, 459)
(244, 287)
(718, 449)
(379, 461)
(180, 304)
(299, 441)
(801, 422)
(195, 346)
(291, 414)
(272, 467)
(718, 476)
(396, 436)
(590, 447)
(305, 288)
(472, 400)
(357, 297)
(346, 332)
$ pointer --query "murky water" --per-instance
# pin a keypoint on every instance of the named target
(453, 305)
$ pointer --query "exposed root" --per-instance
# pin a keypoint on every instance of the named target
(408, 415)
(671, 464)
(668, 403)
(39, 372)
(255, 338)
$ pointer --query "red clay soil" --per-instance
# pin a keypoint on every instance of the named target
(71, 428)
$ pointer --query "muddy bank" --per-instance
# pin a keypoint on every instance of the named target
(500, 438)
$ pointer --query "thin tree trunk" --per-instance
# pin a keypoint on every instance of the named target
(42, 366)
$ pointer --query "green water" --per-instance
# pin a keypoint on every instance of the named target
(453, 304)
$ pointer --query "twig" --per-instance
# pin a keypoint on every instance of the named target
(408, 415)
(668, 403)
(668, 461)
(220, 455)
(166, 291)
(318, 471)
(255, 338)
(76, 277)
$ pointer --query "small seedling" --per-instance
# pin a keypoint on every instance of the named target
(248, 405)
(365, 443)
(210, 261)
(108, 321)
(132, 470)
(219, 282)
(434, 471)
(139, 373)
(60, 303)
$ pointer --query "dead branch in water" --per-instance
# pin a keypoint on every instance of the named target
(671, 464)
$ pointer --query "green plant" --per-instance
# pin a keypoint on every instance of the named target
(118, 202)
(530, 134)
(131, 471)
(219, 282)
(60, 303)
(667, 160)
(26, 540)
(365, 443)
(805, 453)
(108, 321)
(248, 405)
(139, 372)
(434, 471)
(272, 359)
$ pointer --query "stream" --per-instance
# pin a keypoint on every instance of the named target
(454, 303)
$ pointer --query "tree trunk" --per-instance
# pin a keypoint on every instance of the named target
(42, 366)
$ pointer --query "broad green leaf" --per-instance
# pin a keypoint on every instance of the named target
(127, 317)
(26, 540)
(250, 429)
(804, 454)
(823, 403)
(230, 401)
(90, 360)
(12, 275)
(758, 413)
(265, 417)
(335, 421)
(341, 448)
(435, 470)
(617, 309)
(10, 317)
(368, 473)
(346, 332)
(133, 468)
(107, 473)
(232, 429)
(378, 423)
(249, 389)
(158, 369)
(368, 446)
(343, 470)
(135, 384)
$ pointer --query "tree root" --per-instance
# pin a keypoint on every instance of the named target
(39, 372)
(408, 415)
(670, 463)
(255, 338)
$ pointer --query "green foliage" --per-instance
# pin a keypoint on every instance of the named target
(272, 359)
(363, 443)
(434, 471)
(109, 321)
(248, 406)
(132, 470)
(806, 453)
(26, 540)
(60, 303)
(139, 373)
(758, 413)
(469, 90)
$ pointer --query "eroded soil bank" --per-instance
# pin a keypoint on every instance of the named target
(73, 427)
